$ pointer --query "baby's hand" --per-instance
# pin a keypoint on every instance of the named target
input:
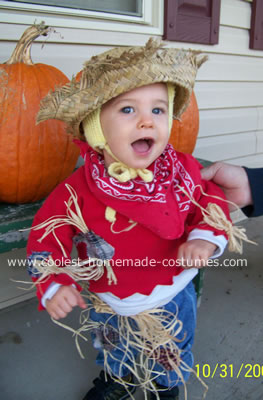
(195, 253)
(63, 302)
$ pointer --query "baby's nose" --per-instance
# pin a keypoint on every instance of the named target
(145, 121)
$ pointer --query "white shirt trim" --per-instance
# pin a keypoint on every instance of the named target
(160, 295)
(50, 292)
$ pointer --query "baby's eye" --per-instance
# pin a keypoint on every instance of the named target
(157, 110)
(127, 110)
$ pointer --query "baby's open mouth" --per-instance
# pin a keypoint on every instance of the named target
(142, 145)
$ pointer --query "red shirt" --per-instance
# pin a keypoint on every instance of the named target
(164, 215)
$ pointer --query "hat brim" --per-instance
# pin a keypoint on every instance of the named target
(118, 71)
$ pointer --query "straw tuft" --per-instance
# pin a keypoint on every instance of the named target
(152, 333)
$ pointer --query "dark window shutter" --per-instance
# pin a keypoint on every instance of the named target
(256, 26)
(195, 21)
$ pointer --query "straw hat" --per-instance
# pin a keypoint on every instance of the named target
(117, 71)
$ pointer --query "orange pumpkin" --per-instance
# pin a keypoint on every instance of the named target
(33, 159)
(184, 131)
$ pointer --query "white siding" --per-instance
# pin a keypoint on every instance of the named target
(229, 87)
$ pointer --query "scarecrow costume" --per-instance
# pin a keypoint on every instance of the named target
(127, 225)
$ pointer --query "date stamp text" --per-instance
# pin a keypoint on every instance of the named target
(245, 370)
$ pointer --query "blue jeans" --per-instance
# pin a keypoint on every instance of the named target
(186, 308)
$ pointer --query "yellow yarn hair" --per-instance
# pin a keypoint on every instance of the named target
(93, 132)
(171, 94)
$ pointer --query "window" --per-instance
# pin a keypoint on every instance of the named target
(126, 16)
(128, 7)
(195, 21)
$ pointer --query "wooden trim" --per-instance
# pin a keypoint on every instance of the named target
(215, 21)
(256, 30)
(194, 26)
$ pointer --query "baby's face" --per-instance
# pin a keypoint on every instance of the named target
(135, 125)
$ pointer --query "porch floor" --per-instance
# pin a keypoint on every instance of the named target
(39, 360)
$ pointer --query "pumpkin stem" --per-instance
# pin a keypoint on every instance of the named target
(22, 52)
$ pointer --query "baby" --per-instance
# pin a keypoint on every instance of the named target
(142, 207)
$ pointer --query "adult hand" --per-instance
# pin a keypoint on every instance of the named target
(233, 180)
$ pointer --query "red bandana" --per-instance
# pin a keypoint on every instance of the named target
(159, 205)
